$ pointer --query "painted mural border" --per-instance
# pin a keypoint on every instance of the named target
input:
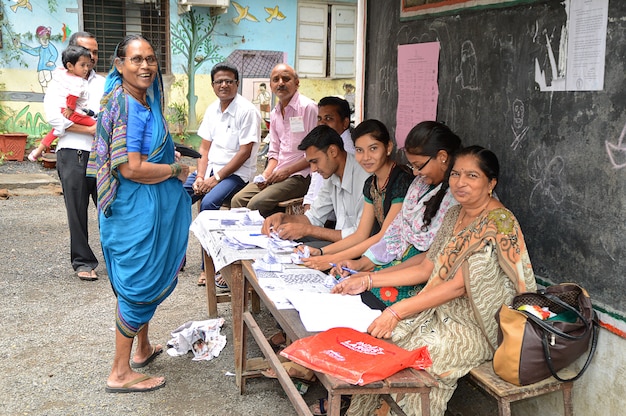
(418, 9)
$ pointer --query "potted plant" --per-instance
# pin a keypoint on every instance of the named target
(12, 145)
(12, 142)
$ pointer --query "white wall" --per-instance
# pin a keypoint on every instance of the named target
(600, 391)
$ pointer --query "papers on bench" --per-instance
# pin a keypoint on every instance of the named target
(300, 279)
(221, 219)
(231, 235)
(323, 311)
(306, 291)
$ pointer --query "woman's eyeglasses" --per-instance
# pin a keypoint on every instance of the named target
(138, 60)
(418, 168)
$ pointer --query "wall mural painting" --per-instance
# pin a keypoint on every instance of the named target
(243, 13)
(191, 38)
(46, 53)
(420, 8)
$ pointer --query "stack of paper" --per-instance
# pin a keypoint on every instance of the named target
(322, 311)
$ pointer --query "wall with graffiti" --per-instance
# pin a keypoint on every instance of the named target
(252, 34)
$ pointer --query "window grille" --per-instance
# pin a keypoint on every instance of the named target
(111, 20)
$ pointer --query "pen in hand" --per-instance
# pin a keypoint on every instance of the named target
(347, 269)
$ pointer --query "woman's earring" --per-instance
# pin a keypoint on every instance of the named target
(490, 193)
(388, 153)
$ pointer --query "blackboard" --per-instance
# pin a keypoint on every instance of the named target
(557, 174)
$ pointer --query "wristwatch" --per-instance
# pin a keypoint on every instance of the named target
(217, 176)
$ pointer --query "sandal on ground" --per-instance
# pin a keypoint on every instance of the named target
(278, 341)
(320, 408)
(156, 350)
(202, 279)
(128, 387)
(87, 276)
(220, 282)
(294, 370)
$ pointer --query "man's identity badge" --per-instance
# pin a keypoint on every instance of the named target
(296, 124)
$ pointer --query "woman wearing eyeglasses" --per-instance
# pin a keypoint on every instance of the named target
(144, 213)
(429, 148)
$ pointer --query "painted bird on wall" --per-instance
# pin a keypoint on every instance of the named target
(21, 3)
(273, 14)
(243, 13)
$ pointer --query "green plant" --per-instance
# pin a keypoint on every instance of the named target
(177, 118)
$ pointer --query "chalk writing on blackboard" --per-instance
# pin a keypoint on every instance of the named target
(546, 173)
(617, 152)
(518, 126)
(468, 77)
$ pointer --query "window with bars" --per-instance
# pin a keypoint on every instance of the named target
(111, 20)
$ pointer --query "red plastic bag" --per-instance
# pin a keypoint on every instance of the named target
(353, 356)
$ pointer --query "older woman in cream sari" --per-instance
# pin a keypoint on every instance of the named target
(477, 262)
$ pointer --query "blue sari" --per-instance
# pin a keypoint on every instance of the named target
(144, 228)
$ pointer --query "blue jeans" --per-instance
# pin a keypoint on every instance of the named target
(223, 191)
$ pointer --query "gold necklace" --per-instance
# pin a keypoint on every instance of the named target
(143, 102)
(462, 217)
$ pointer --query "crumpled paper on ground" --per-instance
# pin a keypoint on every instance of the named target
(201, 337)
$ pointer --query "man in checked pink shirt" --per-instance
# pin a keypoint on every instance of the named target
(287, 174)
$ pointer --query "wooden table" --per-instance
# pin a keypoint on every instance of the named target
(406, 381)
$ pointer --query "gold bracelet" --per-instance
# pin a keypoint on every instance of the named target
(370, 282)
(394, 313)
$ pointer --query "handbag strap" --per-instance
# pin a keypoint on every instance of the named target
(548, 356)
(549, 328)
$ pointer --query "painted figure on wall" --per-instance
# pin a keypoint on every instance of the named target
(349, 95)
(263, 99)
(46, 52)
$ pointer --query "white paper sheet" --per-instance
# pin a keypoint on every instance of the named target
(323, 311)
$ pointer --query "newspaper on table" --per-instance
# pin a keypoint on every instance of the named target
(203, 338)
(232, 235)
(276, 285)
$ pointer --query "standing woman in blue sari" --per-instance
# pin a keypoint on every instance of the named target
(144, 213)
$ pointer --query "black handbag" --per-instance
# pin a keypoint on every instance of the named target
(531, 349)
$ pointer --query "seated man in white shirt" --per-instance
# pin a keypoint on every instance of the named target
(341, 192)
(333, 112)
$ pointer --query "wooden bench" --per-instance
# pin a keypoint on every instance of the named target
(405, 381)
(505, 393)
(293, 206)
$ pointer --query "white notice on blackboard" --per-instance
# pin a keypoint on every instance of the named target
(577, 63)
(586, 45)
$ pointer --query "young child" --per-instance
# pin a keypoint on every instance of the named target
(72, 92)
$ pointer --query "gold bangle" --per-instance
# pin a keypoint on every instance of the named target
(370, 283)
(394, 313)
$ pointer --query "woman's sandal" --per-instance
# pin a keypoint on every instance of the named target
(319, 408)
(295, 371)
(220, 282)
(202, 279)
